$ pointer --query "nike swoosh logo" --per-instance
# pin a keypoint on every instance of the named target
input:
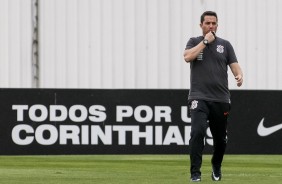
(215, 178)
(265, 131)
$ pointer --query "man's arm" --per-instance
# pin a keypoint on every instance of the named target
(237, 72)
(191, 54)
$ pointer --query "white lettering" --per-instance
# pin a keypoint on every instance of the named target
(73, 115)
(162, 112)
(84, 135)
(16, 134)
(187, 134)
(97, 112)
(158, 135)
(123, 111)
(47, 134)
(184, 114)
(58, 113)
(40, 132)
(122, 133)
(20, 111)
(147, 111)
(144, 113)
(69, 132)
(173, 135)
(105, 137)
(148, 135)
(43, 113)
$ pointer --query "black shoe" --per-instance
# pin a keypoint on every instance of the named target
(195, 178)
(216, 174)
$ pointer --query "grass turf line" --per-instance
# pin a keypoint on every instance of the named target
(135, 169)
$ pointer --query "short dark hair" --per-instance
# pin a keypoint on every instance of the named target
(208, 13)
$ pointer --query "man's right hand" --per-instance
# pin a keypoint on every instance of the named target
(210, 37)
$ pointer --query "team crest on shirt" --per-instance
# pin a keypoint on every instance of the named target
(220, 49)
(194, 104)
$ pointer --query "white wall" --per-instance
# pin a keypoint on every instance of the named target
(135, 43)
(15, 43)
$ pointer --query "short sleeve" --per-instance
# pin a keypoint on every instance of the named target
(231, 56)
(190, 44)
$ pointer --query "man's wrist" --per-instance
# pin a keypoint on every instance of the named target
(205, 42)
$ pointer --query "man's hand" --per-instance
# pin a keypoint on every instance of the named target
(210, 37)
(239, 79)
(237, 72)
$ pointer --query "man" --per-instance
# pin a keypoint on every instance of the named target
(209, 97)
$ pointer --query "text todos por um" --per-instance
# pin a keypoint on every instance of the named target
(95, 113)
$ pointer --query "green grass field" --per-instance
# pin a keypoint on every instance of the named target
(135, 169)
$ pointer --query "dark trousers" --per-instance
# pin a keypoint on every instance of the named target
(214, 115)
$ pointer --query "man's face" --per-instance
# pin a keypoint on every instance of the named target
(209, 24)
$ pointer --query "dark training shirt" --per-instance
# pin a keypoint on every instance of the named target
(209, 77)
